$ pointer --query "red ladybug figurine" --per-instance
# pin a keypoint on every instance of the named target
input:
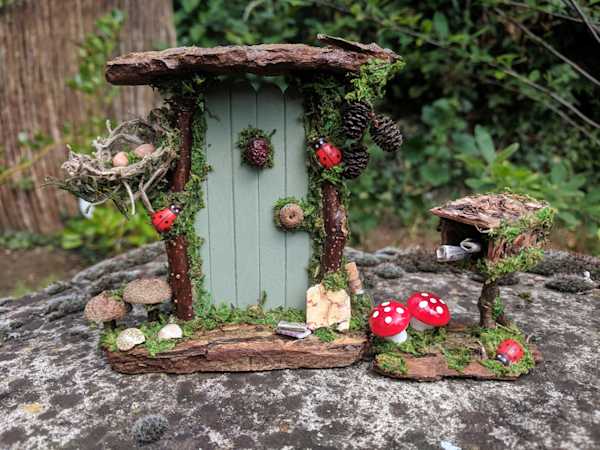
(328, 155)
(163, 219)
(509, 351)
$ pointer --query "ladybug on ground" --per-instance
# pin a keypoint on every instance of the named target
(163, 220)
(328, 154)
(509, 351)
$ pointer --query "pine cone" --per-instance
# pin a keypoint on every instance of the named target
(356, 160)
(355, 119)
(257, 152)
(386, 133)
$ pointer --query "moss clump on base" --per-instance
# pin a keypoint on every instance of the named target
(457, 358)
(326, 334)
(392, 363)
(491, 338)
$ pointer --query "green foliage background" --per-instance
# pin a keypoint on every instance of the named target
(485, 101)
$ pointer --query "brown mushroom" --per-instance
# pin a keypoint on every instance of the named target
(149, 292)
(105, 308)
(291, 216)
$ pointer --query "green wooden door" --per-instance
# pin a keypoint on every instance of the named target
(244, 252)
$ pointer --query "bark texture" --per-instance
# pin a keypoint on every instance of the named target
(242, 348)
(39, 53)
(336, 229)
(177, 248)
(489, 293)
(339, 56)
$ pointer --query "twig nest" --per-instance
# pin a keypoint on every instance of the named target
(144, 150)
(291, 216)
(147, 291)
(129, 338)
(120, 160)
(104, 308)
(170, 331)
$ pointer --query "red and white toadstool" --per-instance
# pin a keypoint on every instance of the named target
(389, 320)
(509, 351)
(428, 311)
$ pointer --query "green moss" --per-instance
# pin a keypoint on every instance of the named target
(419, 343)
(523, 261)
(457, 358)
(392, 363)
(361, 307)
(326, 334)
(491, 338)
(369, 85)
(497, 308)
(108, 339)
(152, 344)
(541, 221)
(335, 281)
(250, 133)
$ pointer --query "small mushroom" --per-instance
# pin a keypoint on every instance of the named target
(149, 292)
(120, 160)
(129, 338)
(105, 308)
(509, 351)
(144, 150)
(428, 311)
(389, 320)
(170, 331)
(291, 216)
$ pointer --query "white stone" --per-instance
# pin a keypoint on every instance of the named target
(439, 309)
(433, 300)
(375, 314)
(388, 319)
(129, 338)
(327, 308)
(423, 304)
(387, 309)
(170, 331)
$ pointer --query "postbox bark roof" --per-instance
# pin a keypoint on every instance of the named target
(337, 56)
(488, 211)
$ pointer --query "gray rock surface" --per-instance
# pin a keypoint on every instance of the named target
(56, 390)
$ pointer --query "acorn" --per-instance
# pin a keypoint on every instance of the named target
(120, 160)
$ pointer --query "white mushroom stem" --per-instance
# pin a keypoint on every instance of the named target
(417, 325)
(398, 338)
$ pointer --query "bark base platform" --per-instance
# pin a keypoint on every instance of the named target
(433, 366)
(242, 348)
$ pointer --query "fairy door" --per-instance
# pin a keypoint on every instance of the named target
(244, 253)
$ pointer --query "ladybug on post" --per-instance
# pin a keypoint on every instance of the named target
(163, 220)
(328, 154)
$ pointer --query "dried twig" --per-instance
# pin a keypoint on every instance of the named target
(548, 47)
(581, 13)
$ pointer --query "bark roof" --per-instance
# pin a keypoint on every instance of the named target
(337, 56)
(488, 211)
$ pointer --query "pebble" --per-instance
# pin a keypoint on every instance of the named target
(366, 260)
(389, 271)
(170, 331)
(120, 160)
(144, 150)
(129, 338)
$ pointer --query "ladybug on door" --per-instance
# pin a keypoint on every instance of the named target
(328, 154)
(163, 220)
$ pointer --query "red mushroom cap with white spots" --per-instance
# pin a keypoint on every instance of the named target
(389, 318)
(429, 309)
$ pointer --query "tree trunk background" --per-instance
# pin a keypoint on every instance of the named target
(38, 54)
